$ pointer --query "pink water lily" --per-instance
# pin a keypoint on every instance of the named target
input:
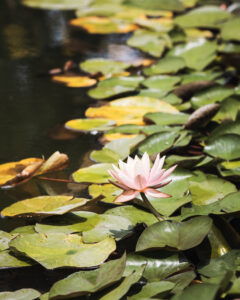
(137, 177)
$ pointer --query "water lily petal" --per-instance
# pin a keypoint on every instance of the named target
(157, 186)
(167, 173)
(156, 194)
(157, 168)
(126, 196)
(146, 165)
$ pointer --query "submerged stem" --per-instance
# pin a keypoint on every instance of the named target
(152, 209)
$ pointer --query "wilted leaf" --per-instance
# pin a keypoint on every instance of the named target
(104, 66)
(54, 250)
(97, 25)
(26, 294)
(181, 236)
(205, 16)
(43, 205)
(75, 81)
(87, 125)
(84, 282)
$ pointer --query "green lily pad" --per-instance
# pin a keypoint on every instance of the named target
(199, 291)
(152, 289)
(181, 280)
(161, 82)
(104, 66)
(226, 146)
(5, 238)
(108, 191)
(158, 142)
(200, 76)
(171, 64)
(105, 156)
(24, 229)
(54, 250)
(151, 42)
(174, 5)
(162, 118)
(84, 282)
(229, 109)
(197, 54)
(9, 260)
(159, 265)
(23, 294)
(88, 125)
(154, 93)
(184, 161)
(229, 48)
(181, 236)
(132, 213)
(229, 168)
(125, 285)
(58, 5)
(44, 205)
(93, 227)
(115, 86)
(226, 128)
(96, 173)
(210, 190)
(229, 30)
(211, 95)
(208, 16)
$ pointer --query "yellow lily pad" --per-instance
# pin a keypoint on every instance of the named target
(75, 81)
(43, 205)
(102, 25)
(108, 137)
(108, 191)
(90, 124)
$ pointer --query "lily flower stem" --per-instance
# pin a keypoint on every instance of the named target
(151, 208)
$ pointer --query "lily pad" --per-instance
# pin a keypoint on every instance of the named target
(161, 82)
(208, 16)
(5, 238)
(181, 236)
(229, 30)
(226, 146)
(90, 125)
(151, 42)
(54, 250)
(105, 156)
(108, 191)
(200, 291)
(84, 282)
(23, 294)
(173, 5)
(96, 173)
(9, 260)
(226, 128)
(58, 5)
(162, 118)
(171, 64)
(229, 109)
(198, 54)
(43, 205)
(104, 66)
(211, 95)
(101, 25)
(158, 142)
(75, 81)
(115, 86)
(92, 226)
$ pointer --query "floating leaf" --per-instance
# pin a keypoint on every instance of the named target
(133, 214)
(125, 285)
(181, 236)
(151, 42)
(93, 227)
(200, 291)
(152, 289)
(211, 95)
(229, 109)
(108, 191)
(26, 294)
(105, 156)
(53, 4)
(54, 250)
(206, 16)
(115, 86)
(96, 173)
(229, 30)
(5, 238)
(9, 260)
(200, 76)
(159, 265)
(226, 128)
(43, 205)
(97, 25)
(162, 118)
(226, 146)
(171, 64)
(75, 81)
(210, 190)
(104, 66)
(197, 54)
(158, 142)
(181, 280)
(155, 24)
(173, 5)
(84, 282)
(93, 125)
(161, 82)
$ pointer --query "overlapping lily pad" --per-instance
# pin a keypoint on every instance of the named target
(54, 250)
(27, 294)
(90, 125)
(96, 173)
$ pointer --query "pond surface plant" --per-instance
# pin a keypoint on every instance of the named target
(155, 91)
